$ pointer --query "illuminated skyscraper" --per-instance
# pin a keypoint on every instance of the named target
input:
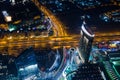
(86, 40)
(27, 65)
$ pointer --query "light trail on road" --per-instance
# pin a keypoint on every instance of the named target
(60, 38)
(17, 45)
(58, 25)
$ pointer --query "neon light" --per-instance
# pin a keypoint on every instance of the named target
(83, 28)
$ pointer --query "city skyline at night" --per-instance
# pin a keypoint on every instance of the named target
(59, 39)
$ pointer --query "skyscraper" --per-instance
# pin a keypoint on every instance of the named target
(27, 65)
(86, 40)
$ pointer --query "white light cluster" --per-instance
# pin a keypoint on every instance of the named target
(6, 16)
(83, 28)
(31, 66)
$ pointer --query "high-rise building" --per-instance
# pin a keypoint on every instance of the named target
(27, 65)
(88, 72)
(86, 40)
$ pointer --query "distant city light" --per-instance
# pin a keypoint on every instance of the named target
(6, 16)
(11, 29)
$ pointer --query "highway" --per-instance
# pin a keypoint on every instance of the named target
(15, 46)
(58, 25)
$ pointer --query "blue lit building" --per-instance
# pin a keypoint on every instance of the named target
(26, 65)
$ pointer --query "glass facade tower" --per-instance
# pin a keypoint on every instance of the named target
(85, 45)
(26, 65)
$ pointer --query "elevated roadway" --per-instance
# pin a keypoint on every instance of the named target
(58, 25)
(14, 46)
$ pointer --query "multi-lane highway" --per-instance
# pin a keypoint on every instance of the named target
(14, 45)
(58, 25)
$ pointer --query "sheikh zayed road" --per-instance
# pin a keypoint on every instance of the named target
(59, 38)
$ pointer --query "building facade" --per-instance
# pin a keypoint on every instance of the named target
(26, 65)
